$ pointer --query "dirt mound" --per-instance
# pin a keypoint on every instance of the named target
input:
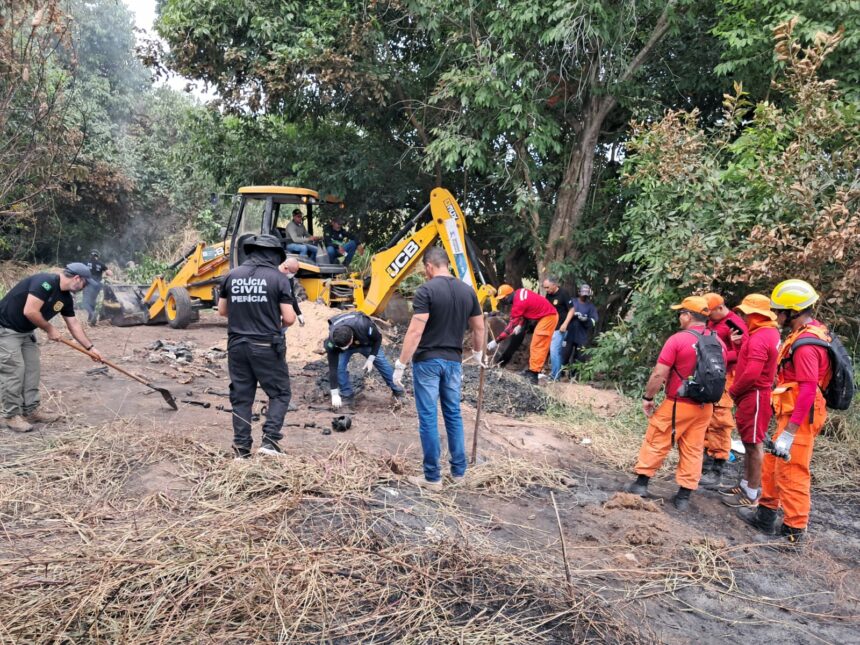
(631, 501)
(504, 392)
(305, 344)
(605, 402)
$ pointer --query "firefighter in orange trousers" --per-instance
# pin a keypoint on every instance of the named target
(718, 437)
(528, 305)
(800, 409)
(677, 419)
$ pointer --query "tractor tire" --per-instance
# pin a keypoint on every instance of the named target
(299, 292)
(178, 308)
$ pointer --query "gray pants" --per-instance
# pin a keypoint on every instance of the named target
(19, 372)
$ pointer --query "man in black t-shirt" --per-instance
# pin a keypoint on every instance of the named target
(443, 307)
(30, 304)
(560, 299)
(257, 300)
(348, 334)
(94, 287)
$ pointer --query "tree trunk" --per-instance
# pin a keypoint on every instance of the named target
(574, 189)
(516, 262)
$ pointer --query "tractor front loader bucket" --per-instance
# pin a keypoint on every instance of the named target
(123, 305)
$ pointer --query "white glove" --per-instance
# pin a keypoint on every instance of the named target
(368, 364)
(336, 403)
(581, 316)
(301, 320)
(517, 330)
(399, 368)
(782, 446)
(479, 358)
(492, 345)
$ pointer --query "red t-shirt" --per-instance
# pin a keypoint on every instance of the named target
(807, 363)
(759, 352)
(528, 305)
(724, 331)
(679, 354)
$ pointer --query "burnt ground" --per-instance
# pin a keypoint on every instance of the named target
(699, 577)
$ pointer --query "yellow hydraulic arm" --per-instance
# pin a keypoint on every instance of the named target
(392, 264)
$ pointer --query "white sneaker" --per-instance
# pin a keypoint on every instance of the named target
(419, 481)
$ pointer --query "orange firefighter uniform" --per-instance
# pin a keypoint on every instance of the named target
(798, 399)
(528, 305)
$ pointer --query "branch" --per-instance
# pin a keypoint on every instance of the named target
(660, 29)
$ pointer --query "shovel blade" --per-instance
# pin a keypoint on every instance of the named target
(167, 396)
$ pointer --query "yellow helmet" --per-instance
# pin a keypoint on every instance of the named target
(796, 295)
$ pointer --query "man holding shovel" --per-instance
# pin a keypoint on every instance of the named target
(30, 304)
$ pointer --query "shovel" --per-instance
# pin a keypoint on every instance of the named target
(165, 394)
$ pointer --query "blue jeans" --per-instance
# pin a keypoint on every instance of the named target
(439, 380)
(305, 250)
(381, 364)
(349, 247)
(555, 354)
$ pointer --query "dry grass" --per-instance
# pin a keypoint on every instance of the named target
(295, 549)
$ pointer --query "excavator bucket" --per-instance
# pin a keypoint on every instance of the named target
(123, 305)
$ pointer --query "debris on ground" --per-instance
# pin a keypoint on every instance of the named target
(504, 392)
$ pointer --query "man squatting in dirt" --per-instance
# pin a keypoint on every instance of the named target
(443, 308)
(257, 300)
(30, 304)
(355, 333)
(678, 418)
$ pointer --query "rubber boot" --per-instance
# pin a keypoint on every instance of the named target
(795, 537)
(639, 486)
(714, 477)
(531, 377)
(760, 517)
(681, 500)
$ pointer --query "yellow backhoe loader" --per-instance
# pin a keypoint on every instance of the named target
(268, 209)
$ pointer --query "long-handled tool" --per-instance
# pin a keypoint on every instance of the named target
(480, 403)
(165, 394)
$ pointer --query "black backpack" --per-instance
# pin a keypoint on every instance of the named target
(708, 381)
(840, 390)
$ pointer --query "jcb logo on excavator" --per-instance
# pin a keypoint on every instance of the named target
(402, 259)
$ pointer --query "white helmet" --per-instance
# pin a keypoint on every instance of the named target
(585, 290)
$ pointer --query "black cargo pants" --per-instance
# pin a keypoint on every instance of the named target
(251, 363)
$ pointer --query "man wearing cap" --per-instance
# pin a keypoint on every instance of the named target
(338, 242)
(257, 300)
(30, 304)
(528, 305)
(803, 372)
(718, 438)
(348, 334)
(677, 418)
(299, 240)
(754, 373)
(92, 290)
(581, 319)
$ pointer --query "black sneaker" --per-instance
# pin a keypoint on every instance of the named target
(759, 517)
(270, 448)
(636, 488)
(731, 492)
(795, 537)
(241, 452)
(681, 503)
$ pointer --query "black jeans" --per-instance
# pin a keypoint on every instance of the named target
(249, 364)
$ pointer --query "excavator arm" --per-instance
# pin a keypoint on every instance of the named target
(442, 220)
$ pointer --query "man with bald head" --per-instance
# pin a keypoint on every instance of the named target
(290, 267)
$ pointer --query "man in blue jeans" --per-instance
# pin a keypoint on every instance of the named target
(443, 308)
(348, 334)
(558, 298)
(339, 243)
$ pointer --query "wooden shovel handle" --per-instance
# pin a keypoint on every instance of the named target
(106, 362)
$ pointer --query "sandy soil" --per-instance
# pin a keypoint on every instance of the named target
(729, 584)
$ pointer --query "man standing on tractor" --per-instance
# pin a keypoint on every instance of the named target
(577, 326)
(443, 308)
(29, 304)
(528, 305)
(338, 242)
(299, 240)
(754, 373)
(94, 287)
(257, 301)
(803, 372)
(679, 418)
(718, 438)
(348, 334)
